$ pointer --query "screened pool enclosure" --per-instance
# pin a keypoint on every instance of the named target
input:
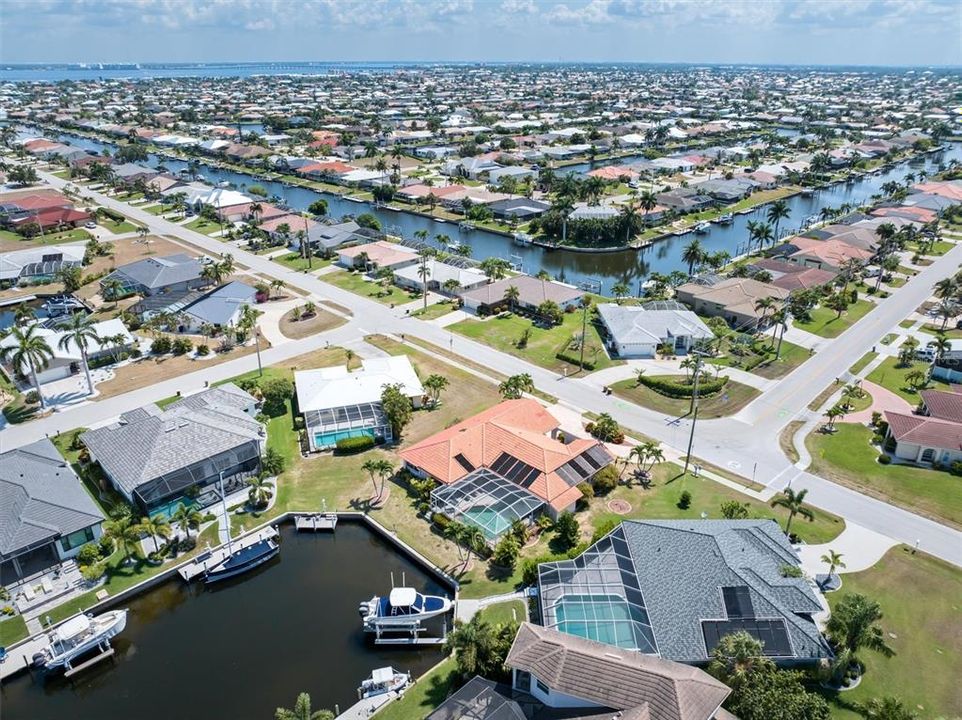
(597, 596)
(487, 501)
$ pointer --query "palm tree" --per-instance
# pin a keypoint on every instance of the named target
(214, 272)
(110, 289)
(260, 491)
(851, 392)
(302, 711)
(29, 352)
(511, 295)
(833, 414)
(515, 386)
(620, 290)
(764, 235)
(156, 526)
(765, 305)
(435, 385)
(125, 533)
(793, 502)
(886, 708)
(186, 518)
(378, 468)
(647, 455)
(853, 626)
(81, 332)
(778, 211)
(940, 345)
(833, 560)
(693, 255)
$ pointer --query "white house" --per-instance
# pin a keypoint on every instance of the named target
(338, 404)
(634, 331)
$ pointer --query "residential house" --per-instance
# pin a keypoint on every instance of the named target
(532, 292)
(67, 360)
(594, 679)
(129, 173)
(633, 331)
(221, 308)
(438, 274)
(160, 275)
(520, 442)
(376, 255)
(159, 458)
(46, 515)
(830, 254)
(338, 404)
(676, 587)
(518, 208)
(924, 439)
(38, 263)
(792, 276)
(733, 299)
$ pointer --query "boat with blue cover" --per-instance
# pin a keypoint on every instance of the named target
(402, 608)
(242, 560)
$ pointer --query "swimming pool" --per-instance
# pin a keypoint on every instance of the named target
(605, 618)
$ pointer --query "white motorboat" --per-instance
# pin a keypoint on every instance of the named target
(726, 219)
(402, 608)
(702, 228)
(78, 636)
(383, 680)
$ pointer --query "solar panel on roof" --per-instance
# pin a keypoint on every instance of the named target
(738, 602)
(587, 457)
(464, 462)
(502, 461)
(528, 479)
(771, 633)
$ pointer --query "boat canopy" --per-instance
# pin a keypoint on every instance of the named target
(383, 675)
(73, 627)
(403, 597)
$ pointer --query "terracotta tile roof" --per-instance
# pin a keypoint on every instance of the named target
(943, 405)
(614, 678)
(925, 431)
(515, 427)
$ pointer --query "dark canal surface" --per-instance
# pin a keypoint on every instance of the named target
(245, 648)
(599, 268)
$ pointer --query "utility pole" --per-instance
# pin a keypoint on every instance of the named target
(694, 410)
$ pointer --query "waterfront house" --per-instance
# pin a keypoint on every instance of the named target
(376, 255)
(337, 403)
(831, 254)
(792, 276)
(637, 331)
(520, 442)
(532, 291)
(518, 208)
(128, 174)
(38, 263)
(67, 360)
(674, 588)
(579, 676)
(733, 299)
(46, 515)
(157, 458)
(160, 275)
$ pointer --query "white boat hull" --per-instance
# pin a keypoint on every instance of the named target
(103, 628)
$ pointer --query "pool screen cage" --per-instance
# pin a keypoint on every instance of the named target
(237, 464)
(487, 501)
(350, 417)
(597, 596)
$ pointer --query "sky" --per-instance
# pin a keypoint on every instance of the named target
(822, 32)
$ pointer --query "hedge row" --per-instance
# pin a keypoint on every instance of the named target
(681, 389)
(354, 444)
(575, 359)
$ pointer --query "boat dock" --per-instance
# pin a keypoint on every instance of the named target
(318, 521)
(209, 558)
(19, 658)
(363, 709)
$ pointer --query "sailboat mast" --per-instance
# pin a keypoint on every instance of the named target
(223, 500)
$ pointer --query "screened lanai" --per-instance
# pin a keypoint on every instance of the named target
(597, 596)
(325, 427)
(487, 501)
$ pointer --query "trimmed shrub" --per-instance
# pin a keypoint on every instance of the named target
(790, 571)
(203, 349)
(575, 359)
(681, 389)
(92, 573)
(181, 346)
(276, 392)
(884, 459)
(684, 500)
(354, 444)
(32, 397)
(161, 345)
(88, 554)
(606, 527)
(605, 480)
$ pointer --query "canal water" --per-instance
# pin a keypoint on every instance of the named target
(600, 269)
(245, 647)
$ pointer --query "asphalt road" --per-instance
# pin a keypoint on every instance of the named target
(746, 444)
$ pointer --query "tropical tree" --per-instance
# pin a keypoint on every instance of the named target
(495, 268)
(511, 296)
(378, 468)
(620, 290)
(480, 648)
(777, 212)
(126, 535)
(837, 302)
(606, 428)
(646, 455)
(794, 503)
(213, 272)
(259, 490)
(853, 626)
(886, 708)
(71, 276)
(28, 353)
(435, 385)
(693, 254)
(833, 560)
(397, 408)
(156, 526)
(515, 386)
(302, 711)
(187, 517)
(80, 331)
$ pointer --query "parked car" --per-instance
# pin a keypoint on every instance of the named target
(90, 224)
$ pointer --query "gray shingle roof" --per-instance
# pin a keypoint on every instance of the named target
(631, 324)
(221, 306)
(479, 699)
(40, 498)
(149, 442)
(613, 678)
(158, 272)
(682, 565)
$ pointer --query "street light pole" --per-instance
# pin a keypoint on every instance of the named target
(257, 346)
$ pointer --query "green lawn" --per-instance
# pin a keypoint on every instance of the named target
(862, 362)
(847, 457)
(951, 332)
(438, 309)
(760, 357)
(660, 501)
(504, 331)
(504, 612)
(889, 375)
(296, 262)
(12, 630)
(826, 323)
(919, 596)
(729, 401)
(427, 693)
(356, 283)
(203, 225)
(906, 324)
(158, 209)
(16, 411)
(118, 227)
